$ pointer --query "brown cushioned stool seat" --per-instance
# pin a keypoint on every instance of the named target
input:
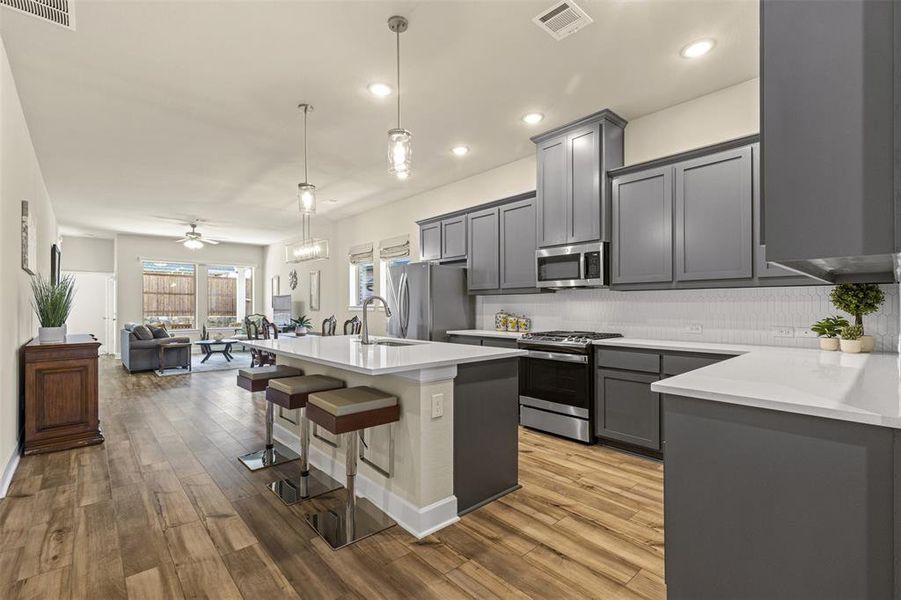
(349, 411)
(292, 392)
(255, 379)
(352, 409)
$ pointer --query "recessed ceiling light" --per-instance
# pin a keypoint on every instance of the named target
(332, 201)
(532, 118)
(460, 150)
(697, 49)
(380, 89)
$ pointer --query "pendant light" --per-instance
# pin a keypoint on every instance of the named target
(306, 191)
(400, 141)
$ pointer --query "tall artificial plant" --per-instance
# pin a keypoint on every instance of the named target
(857, 299)
(52, 302)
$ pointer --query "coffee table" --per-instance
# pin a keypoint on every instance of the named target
(223, 347)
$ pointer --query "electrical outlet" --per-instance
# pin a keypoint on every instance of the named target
(695, 328)
(782, 331)
(804, 332)
(437, 406)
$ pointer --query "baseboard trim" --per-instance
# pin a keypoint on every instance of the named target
(8, 471)
(419, 522)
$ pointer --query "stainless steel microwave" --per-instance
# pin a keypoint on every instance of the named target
(582, 265)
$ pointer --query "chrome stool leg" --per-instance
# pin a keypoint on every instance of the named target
(272, 454)
(358, 518)
(312, 482)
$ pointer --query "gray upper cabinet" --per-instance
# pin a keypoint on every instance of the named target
(642, 237)
(517, 244)
(573, 160)
(830, 127)
(583, 148)
(483, 261)
(552, 218)
(430, 241)
(713, 228)
(453, 238)
(764, 269)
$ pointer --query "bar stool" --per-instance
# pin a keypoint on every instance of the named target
(293, 393)
(348, 412)
(256, 379)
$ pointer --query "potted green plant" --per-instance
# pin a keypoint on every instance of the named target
(828, 329)
(301, 325)
(851, 338)
(52, 303)
(859, 299)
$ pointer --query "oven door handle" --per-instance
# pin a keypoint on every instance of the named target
(558, 356)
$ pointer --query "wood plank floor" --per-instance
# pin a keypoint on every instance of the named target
(164, 510)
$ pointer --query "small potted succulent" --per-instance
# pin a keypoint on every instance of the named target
(851, 338)
(301, 325)
(858, 299)
(828, 330)
(52, 303)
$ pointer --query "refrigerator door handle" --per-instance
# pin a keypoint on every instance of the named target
(404, 305)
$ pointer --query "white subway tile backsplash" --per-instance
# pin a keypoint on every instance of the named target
(739, 316)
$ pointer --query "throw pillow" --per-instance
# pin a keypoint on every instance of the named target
(158, 332)
(142, 332)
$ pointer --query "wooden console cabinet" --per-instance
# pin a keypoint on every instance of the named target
(61, 389)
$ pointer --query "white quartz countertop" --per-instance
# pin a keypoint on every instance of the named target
(346, 352)
(860, 388)
(683, 346)
(511, 335)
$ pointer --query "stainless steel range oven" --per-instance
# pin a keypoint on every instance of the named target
(556, 383)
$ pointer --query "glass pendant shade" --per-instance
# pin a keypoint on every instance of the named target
(400, 152)
(306, 250)
(306, 197)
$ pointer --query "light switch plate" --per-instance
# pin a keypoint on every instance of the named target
(695, 328)
(437, 406)
(783, 331)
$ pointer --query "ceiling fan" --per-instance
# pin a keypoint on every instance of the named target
(193, 240)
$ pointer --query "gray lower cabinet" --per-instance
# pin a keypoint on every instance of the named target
(453, 238)
(517, 244)
(492, 342)
(768, 504)
(483, 261)
(552, 187)
(713, 226)
(626, 408)
(642, 232)
(464, 339)
(430, 241)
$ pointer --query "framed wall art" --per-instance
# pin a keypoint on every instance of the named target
(29, 240)
(314, 290)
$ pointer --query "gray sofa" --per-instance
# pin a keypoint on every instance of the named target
(144, 355)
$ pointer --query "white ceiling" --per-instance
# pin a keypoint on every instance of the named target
(153, 111)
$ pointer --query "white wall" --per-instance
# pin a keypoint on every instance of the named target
(729, 113)
(719, 116)
(20, 179)
(132, 249)
(88, 254)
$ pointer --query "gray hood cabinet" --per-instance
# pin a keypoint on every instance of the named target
(573, 160)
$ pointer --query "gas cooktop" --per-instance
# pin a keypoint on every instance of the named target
(566, 338)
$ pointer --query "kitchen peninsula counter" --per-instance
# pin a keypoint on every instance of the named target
(458, 404)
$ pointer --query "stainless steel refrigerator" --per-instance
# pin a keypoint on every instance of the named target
(427, 300)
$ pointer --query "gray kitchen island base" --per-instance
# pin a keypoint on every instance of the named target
(767, 504)
(486, 432)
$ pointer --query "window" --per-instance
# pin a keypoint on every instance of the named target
(222, 294)
(362, 281)
(248, 291)
(169, 294)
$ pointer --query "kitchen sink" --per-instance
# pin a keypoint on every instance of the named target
(393, 343)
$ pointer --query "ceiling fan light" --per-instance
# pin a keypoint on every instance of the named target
(306, 198)
(193, 244)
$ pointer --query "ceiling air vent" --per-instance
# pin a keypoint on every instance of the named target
(55, 11)
(562, 19)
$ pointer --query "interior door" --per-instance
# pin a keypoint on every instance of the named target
(92, 311)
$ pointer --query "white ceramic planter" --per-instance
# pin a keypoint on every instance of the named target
(829, 344)
(867, 343)
(850, 346)
(299, 331)
(51, 335)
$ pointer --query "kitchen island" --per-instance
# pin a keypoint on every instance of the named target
(458, 406)
(783, 476)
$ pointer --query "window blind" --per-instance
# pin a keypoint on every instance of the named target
(360, 254)
(396, 247)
